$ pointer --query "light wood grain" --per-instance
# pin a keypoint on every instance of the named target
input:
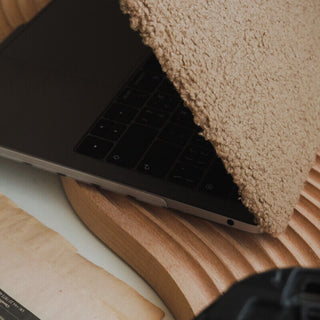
(45, 273)
(190, 262)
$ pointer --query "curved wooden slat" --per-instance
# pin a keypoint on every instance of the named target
(5, 27)
(16, 12)
(232, 258)
(255, 253)
(196, 246)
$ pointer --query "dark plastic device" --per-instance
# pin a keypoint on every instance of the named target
(282, 294)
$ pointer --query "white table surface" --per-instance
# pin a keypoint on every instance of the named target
(41, 195)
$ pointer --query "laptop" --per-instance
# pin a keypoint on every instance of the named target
(82, 96)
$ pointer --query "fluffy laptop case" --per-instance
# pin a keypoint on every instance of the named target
(250, 73)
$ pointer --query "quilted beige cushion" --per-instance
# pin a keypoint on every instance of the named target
(250, 73)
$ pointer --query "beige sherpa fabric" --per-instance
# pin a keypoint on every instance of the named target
(250, 73)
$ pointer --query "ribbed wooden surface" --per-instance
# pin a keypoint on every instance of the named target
(189, 261)
(16, 12)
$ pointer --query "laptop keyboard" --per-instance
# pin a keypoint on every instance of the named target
(147, 128)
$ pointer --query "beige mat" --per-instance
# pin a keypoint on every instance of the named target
(44, 273)
(250, 73)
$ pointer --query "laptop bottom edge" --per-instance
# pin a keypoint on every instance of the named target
(127, 190)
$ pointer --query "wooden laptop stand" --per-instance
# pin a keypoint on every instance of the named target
(190, 262)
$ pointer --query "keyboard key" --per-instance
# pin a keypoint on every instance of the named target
(153, 65)
(121, 113)
(146, 81)
(205, 151)
(164, 101)
(133, 98)
(183, 117)
(218, 181)
(186, 175)
(132, 146)
(175, 134)
(168, 87)
(159, 159)
(234, 194)
(94, 147)
(197, 156)
(108, 130)
(152, 117)
(201, 142)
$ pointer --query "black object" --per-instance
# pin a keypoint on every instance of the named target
(138, 136)
(282, 294)
(10, 309)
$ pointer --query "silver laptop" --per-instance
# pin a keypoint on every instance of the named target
(81, 96)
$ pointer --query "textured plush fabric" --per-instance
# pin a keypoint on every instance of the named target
(250, 73)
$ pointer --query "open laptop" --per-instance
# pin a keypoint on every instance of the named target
(81, 96)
